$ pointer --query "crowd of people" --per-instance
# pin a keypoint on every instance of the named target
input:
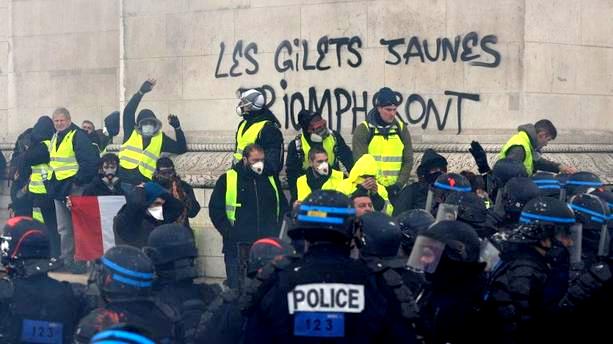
(515, 253)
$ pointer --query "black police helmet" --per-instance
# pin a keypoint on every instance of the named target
(123, 334)
(125, 272)
(412, 222)
(460, 239)
(380, 235)
(547, 211)
(606, 197)
(325, 215)
(517, 192)
(548, 184)
(590, 211)
(24, 238)
(452, 182)
(263, 251)
(170, 242)
(581, 182)
(471, 208)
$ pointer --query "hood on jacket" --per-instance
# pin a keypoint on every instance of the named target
(365, 166)
(531, 131)
(43, 129)
(262, 115)
(432, 159)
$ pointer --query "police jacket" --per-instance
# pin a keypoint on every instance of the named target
(168, 145)
(412, 196)
(29, 315)
(269, 138)
(323, 297)
(295, 159)
(257, 215)
(222, 321)
(515, 295)
(133, 223)
(450, 302)
(87, 158)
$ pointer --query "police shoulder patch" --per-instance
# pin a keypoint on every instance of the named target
(326, 297)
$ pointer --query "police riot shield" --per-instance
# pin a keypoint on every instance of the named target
(489, 254)
(429, 200)
(426, 254)
(576, 235)
(604, 243)
(446, 212)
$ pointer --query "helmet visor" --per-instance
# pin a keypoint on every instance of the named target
(426, 254)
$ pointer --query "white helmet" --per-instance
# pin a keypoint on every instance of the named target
(249, 100)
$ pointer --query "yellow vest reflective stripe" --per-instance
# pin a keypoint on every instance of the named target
(248, 137)
(520, 139)
(388, 153)
(63, 160)
(132, 154)
(332, 183)
(329, 143)
(232, 194)
(37, 215)
(40, 173)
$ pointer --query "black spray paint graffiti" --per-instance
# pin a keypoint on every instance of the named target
(338, 52)
(336, 104)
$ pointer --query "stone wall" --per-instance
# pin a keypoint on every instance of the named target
(536, 58)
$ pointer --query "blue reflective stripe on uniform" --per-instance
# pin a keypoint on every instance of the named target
(331, 210)
(453, 188)
(332, 220)
(588, 211)
(112, 334)
(546, 181)
(598, 219)
(547, 218)
(132, 282)
(557, 187)
(577, 182)
(114, 266)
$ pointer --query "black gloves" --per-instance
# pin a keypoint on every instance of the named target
(147, 86)
(174, 121)
(480, 157)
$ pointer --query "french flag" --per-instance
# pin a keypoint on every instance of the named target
(92, 221)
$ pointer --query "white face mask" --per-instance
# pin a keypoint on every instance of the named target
(157, 212)
(239, 111)
(316, 138)
(320, 135)
(323, 169)
(258, 167)
(148, 130)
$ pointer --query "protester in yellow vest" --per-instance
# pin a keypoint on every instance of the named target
(319, 176)
(144, 141)
(526, 145)
(74, 163)
(315, 133)
(34, 162)
(246, 205)
(260, 126)
(387, 139)
(364, 175)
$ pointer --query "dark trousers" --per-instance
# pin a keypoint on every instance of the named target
(47, 208)
(236, 256)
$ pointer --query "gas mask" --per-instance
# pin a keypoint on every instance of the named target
(157, 212)
(257, 167)
(322, 169)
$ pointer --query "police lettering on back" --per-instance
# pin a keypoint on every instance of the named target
(326, 297)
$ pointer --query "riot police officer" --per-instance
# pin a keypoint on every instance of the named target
(173, 251)
(326, 295)
(124, 277)
(34, 308)
(511, 200)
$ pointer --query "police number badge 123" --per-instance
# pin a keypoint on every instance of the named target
(319, 309)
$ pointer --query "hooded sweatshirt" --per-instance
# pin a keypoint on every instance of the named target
(366, 166)
(517, 153)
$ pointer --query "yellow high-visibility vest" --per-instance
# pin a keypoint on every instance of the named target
(249, 136)
(520, 139)
(328, 144)
(40, 173)
(388, 153)
(232, 194)
(63, 160)
(132, 155)
(331, 184)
